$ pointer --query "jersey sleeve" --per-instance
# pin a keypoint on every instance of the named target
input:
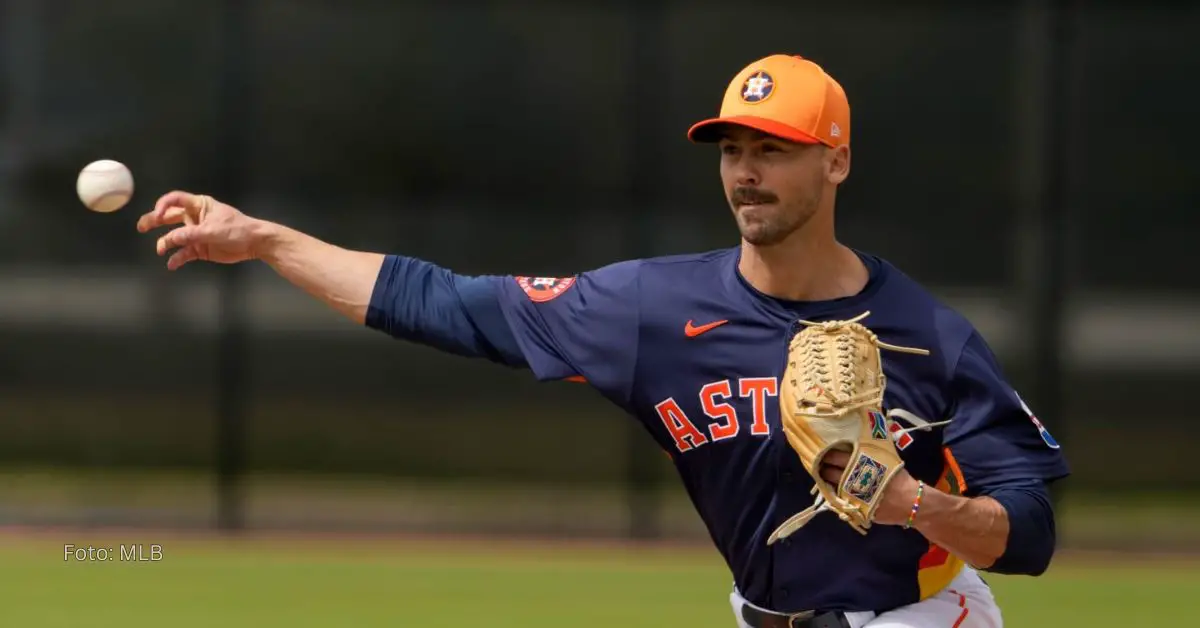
(418, 301)
(583, 327)
(993, 437)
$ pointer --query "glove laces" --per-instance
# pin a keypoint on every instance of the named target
(831, 359)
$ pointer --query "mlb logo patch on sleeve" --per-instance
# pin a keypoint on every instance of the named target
(542, 289)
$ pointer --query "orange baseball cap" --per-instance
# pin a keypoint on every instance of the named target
(784, 95)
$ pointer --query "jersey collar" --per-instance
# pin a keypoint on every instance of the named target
(785, 308)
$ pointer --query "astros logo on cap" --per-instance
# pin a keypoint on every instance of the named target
(758, 87)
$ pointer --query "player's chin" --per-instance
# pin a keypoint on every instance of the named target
(760, 232)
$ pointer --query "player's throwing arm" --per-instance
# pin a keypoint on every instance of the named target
(204, 229)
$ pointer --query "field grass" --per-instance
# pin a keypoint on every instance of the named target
(323, 581)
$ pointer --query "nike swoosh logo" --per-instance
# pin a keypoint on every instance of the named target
(692, 330)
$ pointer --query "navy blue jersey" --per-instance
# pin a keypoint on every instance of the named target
(686, 346)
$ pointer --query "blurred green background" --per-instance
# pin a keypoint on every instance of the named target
(1026, 161)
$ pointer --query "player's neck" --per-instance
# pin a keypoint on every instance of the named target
(805, 267)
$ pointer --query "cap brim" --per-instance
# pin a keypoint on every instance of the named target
(708, 131)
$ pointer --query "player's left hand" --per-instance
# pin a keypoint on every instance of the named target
(897, 497)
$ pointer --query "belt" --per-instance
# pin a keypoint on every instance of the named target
(756, 618)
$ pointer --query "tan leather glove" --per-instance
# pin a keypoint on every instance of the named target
(831, 398)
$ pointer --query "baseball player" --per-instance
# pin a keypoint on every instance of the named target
(695, 348)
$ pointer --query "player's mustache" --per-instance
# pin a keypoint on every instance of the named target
(749, 195)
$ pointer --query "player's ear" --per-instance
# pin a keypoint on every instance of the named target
(837, 164)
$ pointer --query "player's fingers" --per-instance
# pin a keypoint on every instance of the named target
(178, 198)
(192, 204)
(180, 237)
(830, 474)
(182, 256)
(837, 459)
(170, 216)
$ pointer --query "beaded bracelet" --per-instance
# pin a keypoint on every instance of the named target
(912, 516)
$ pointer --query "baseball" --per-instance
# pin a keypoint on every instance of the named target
(105, 185)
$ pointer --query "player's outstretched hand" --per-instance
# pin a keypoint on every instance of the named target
(211, 231)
